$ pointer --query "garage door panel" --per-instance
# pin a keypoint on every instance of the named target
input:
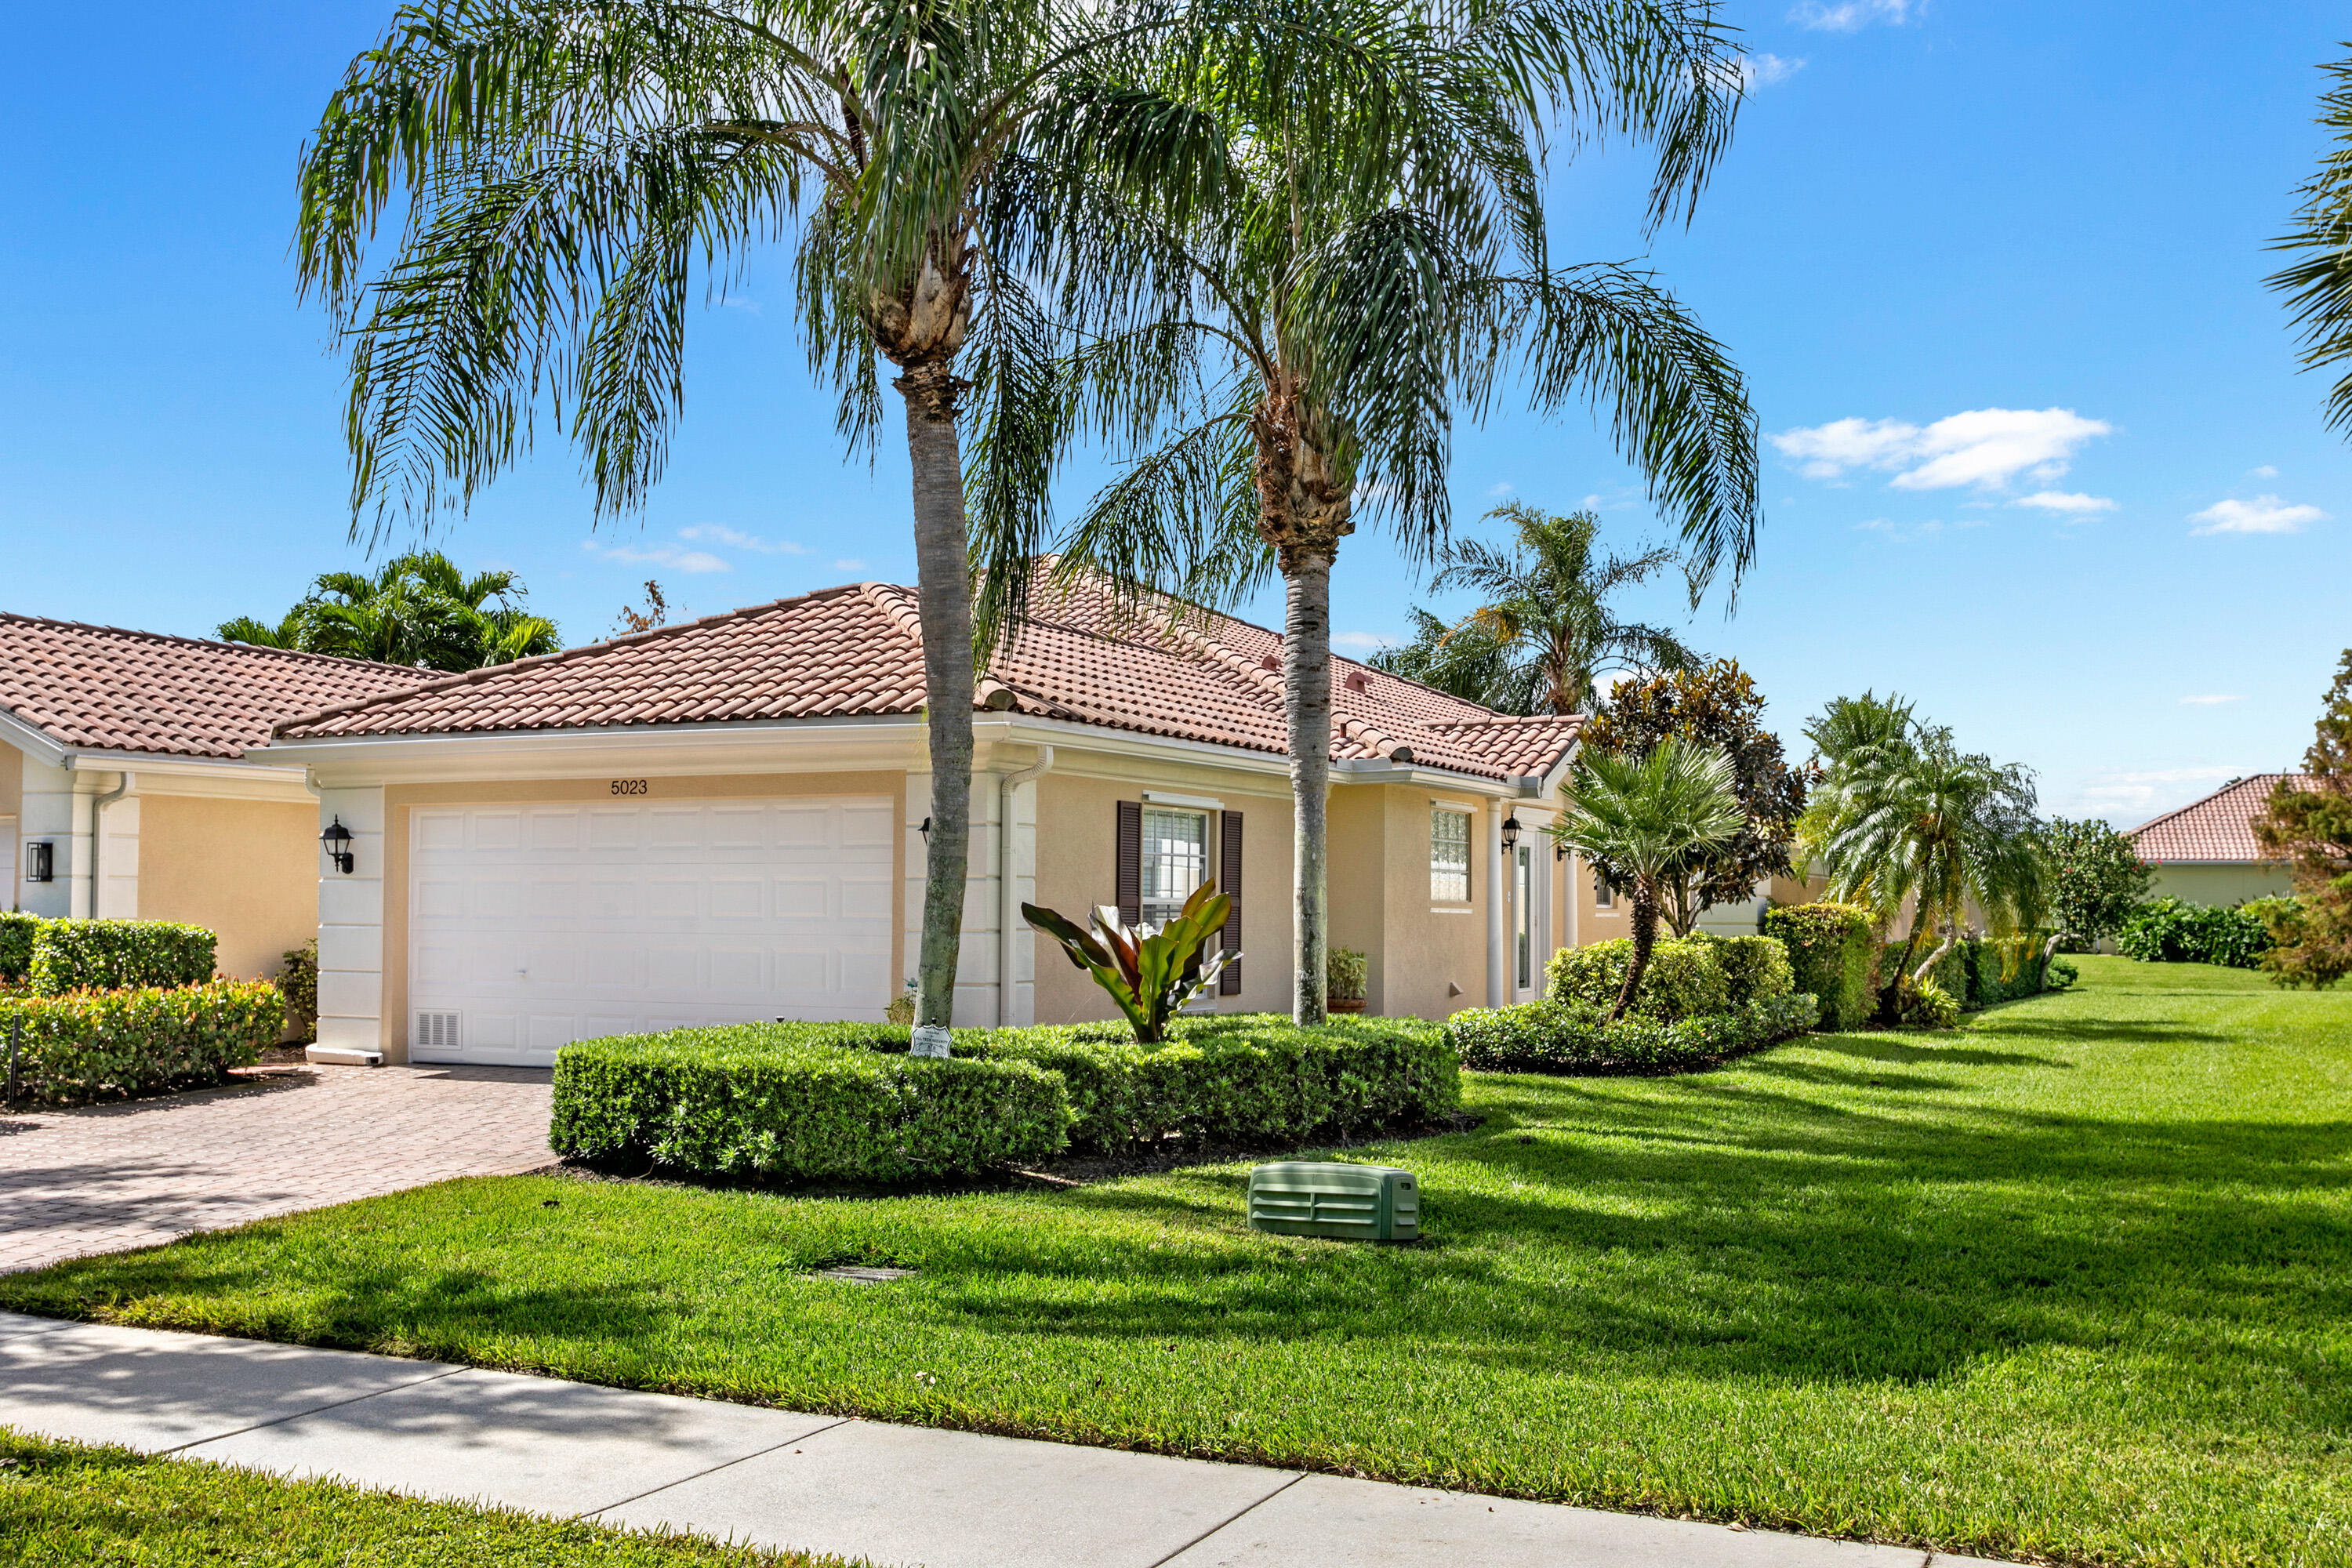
(497, 897)
(865, 973)
(737, 968)
(495, 830)
(737, 897)
(800, 897)
(865, 896)
(440, 898)
(439, 832)
(609, 896)
(738, 827)
(556, 829)
(673, 826)
(674, 968)
(555, 896)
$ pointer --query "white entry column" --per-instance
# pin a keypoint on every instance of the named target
(351, 933)
(1498, 894)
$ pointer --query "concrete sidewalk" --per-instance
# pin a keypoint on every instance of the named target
(889, 1494)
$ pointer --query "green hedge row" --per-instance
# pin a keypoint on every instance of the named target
(1572, 1037)
(1835, 957)
(1690, 977)
(53, 957)
(92, 1044)
(2166, 931)
(845, 1102)
(1982, 971)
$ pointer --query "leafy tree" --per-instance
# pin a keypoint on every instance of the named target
(417, 609)
(1716, 706)
(1645, 815)
(2308, 824)
(1546, 632)
(1282, 362)
(2319, 284)
(2096, 878)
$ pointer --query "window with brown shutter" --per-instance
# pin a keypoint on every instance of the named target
(1131, 861)
(1229, 882)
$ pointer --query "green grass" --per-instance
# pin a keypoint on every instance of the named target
(2071, 1284)
(66, 1503)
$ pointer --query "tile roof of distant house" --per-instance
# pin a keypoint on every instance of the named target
(2216, 828)
(104, 688)
(1081, 655)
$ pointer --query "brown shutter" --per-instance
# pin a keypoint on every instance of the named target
(1131, 861)
(1229, 882)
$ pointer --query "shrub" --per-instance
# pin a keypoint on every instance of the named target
(1685, 979)
(90, 1044)
(843, 1101)
(2060, 974)
(1832, 954)
(297, 980)
(110, 955)
(2166, 931)
(1755, 968)
(17, 945)
(1573, 1036)
(1928, 1006)
(1345, 973)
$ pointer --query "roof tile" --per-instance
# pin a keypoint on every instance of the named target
(2219, 828)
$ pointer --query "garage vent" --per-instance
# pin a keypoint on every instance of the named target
(437, 1031)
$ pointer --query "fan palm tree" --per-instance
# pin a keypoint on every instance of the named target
(1844, 729)
(1283, 362)
(1545, 633)
(417, 609)
(567, 168)
(1646, 814)
(1914, 817)
(2319, 284)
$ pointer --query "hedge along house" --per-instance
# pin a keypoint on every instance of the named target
(2205, 852)
(723, 820)
(125, 790)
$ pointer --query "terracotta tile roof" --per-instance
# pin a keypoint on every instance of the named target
(857, 649)
(104, 688)
(2215, 829)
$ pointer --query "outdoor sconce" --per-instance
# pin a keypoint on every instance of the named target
(1510, 833)
(925, 829)
(1558, 851)
(338, 841)
(40, 863)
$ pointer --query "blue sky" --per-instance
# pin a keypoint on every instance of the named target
(2039, 457)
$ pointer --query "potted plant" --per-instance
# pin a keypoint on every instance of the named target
(1344, 973)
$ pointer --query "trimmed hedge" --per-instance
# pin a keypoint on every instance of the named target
(17, 945)
(1834, 956)
(1982, 971)
(1571, 1037)
(2166, 931)
(113, 955)
(845, 1102)
(1694, 976)
(92, 1044)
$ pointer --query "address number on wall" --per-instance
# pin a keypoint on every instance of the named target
(629, 786)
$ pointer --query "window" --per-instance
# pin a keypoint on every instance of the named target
(1175, 861)
(1449, 856)
(1604, 896)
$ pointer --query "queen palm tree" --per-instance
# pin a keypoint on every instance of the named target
(1644, 814)
(1545, 633)
(2319, 283)
(1283, 362)
(567, 171)
(417, 609)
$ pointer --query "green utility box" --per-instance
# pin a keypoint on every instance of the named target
(1353, 1202)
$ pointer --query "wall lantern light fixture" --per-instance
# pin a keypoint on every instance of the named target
(40, 862)
(337, 839)
(1511, 832)
(925, 829)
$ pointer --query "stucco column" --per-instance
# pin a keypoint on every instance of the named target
(1498, 969)
(353, 1029)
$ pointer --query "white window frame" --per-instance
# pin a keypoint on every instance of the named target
(1441, 872)
(1159, 908)
(1604, 896)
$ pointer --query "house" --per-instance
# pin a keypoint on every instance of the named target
(125, 791)
(723, 820)
(2205, 853)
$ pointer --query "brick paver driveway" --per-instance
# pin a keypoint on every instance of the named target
(103, 1178)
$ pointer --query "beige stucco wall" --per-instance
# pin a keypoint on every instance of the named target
(401, 799)
(1433, 958)
(1077, 845)
(247, 870)
(2221, 885)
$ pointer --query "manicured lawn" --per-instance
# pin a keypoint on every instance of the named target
(2076, 1283)
(64, 1503)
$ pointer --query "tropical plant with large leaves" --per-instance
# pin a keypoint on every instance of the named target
(1367, 257)
(1149, 972)
(416, 609)
(1546, 632)
(1646, 815)
(567, 174)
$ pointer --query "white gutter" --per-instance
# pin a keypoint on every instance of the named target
(1007, 906)
(98, 805)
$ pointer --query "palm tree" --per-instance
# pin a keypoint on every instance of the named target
(417, 609)
(1644, 814)
(1283, 362)
(1912, 817)
(567, 170)
(2319, 285)
(1841, 734)
(1545, 634)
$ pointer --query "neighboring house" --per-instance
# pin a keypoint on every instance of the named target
(2205, 852)
(124, 791)
(723, 820)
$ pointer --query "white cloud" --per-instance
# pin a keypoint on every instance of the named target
(1369, 642)
(668, 555)
(1893, 530)
(2264, 514)
(1498, 489)
(2067, 502)
(1766, 71)
(718, 533)
(1987, 448)
(1848, 16)
(2214, 701)
(849, 565)
(2265, 472)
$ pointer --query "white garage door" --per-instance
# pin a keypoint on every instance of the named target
(531, 926)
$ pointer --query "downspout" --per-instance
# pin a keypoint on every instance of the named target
(1497, 984)
(1008, 907)
(98, 805)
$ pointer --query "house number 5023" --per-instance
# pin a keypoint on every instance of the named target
(628, 786)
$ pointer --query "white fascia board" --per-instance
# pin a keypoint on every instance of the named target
(885, 741)
(1415, 774)
(36, 743)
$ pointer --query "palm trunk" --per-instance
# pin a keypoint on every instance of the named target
(941, 572)
(1645, 937)
(1306, 709)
